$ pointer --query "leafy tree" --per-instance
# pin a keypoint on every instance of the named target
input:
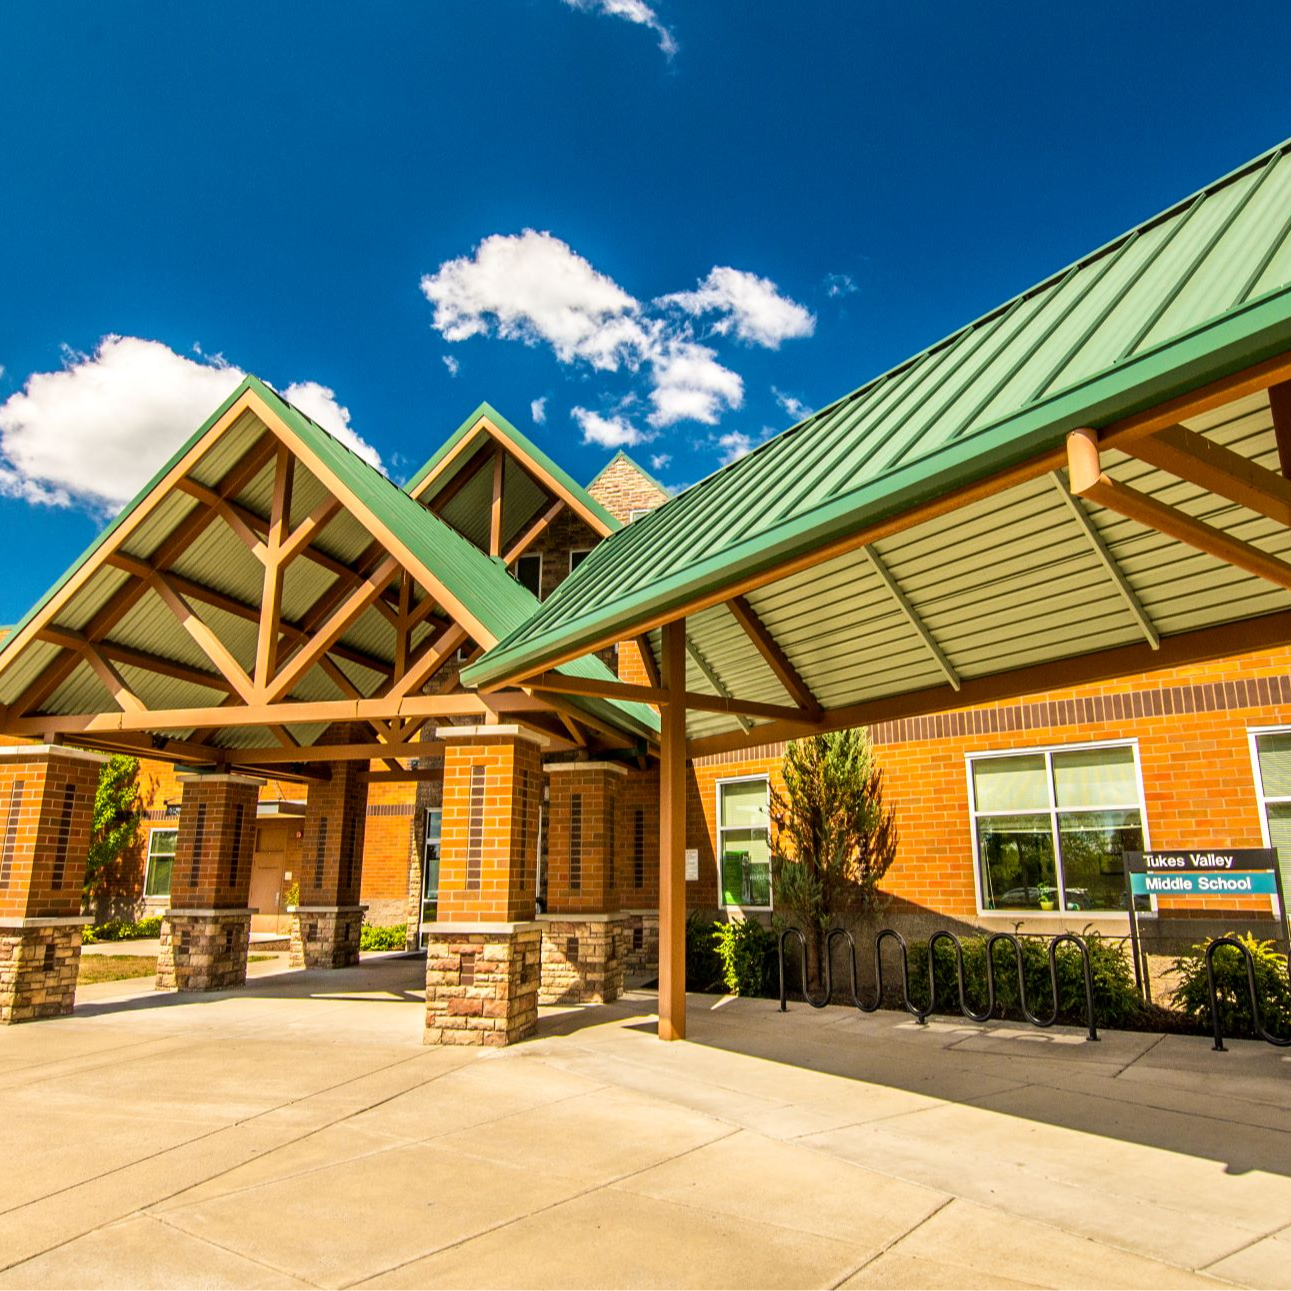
(832, 840)
(116, 826)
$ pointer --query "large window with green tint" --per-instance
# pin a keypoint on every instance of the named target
(161, 861)
(1273, 780)
(1051, 827)
(743, 842)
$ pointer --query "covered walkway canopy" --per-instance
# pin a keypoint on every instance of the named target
(1088, 481)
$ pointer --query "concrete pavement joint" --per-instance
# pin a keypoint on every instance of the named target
(229, 1250)
(918, 1224)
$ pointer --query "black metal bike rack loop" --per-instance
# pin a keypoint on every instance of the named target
(1215, 1023)
(921, 1015)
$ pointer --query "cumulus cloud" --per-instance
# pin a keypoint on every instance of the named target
(749, 307)
(635, 11)
(839, 284)
(691, 385)
(615, 431)
(733, 445)
(453, 366)
(658, 461)
(538, 410)
(93, 432)
(791, 404)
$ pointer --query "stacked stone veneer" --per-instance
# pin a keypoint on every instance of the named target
(327, 924)
(640, 946)
(206, 932)
(482, 984)
(582, 959)
(483, 953)
(46, 812)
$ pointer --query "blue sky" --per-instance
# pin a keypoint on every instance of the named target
(738, 208)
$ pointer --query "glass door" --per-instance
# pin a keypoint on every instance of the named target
(430, 872)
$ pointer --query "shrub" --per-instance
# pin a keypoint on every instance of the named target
(703, 967)
(747, 952)
(1117, 1002)
(1192, 995)
(390, 937)
(122, 930)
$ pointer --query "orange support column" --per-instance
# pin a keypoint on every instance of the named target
(482, 953)
(583, 929)
(207, 930)
(327, 924)
(672, 837)
(46, 812)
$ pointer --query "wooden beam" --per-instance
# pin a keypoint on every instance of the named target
(558, 684)
(1280, 408)
(912, 616)
(477, 462)
(1147, 511)
(1245, 636)
(672, 837)
(232, 516)
(310, 527)
(1219, 470)
(495, 506)
(428, 659)
(710, 674)
(1108, 562)
(72, 640)
(575, 731)
(647, 660)
(535, 531)
(269, 629)
(323, 638)
(402, 776)
(209, 644)
(769, 648)
(115, 683)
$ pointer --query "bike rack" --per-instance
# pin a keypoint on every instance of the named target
(1214, 995)
(921, 1015)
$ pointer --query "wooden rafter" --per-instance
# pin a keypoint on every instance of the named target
(72, 640)
(647, 660)
(310, 527)
(495, 504)
(535, 530)
(116, 685)
(209, 644)
(912, 616)
(711, 676)
(269, 629)
(1088, 481)
(769, 648)
(429, 658)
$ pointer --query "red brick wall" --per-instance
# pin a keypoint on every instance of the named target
(213, 857)
(600, 859)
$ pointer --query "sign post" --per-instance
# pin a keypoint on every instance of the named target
(1233, 871)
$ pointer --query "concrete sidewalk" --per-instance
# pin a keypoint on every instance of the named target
(297, 1133)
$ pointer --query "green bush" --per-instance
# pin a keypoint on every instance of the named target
(390, 937)
(747, 952)
(122, 930)
(1192, 995)
(1117, 1002)
(703, 967)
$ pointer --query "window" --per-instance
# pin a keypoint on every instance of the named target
(528, 572)
(637, 512)
(743, 842)
(1272, 756)
(1050, 829)
(430, 868)
(161, 861)
(576, 558)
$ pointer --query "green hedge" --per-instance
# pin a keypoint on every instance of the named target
(392, 936)
(122, 930)
(1192, 995)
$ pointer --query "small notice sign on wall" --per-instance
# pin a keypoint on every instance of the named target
(692, 864)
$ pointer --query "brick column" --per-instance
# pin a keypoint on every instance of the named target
(46, 813)
(482, 953)
(327, 924)
(207, 930)
(638, 816)
(583, 927)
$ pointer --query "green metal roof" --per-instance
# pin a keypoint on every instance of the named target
(218, 559)
(526, 445)
(1191, 295)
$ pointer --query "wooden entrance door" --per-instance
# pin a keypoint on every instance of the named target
(267, 897)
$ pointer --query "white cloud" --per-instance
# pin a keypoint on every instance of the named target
(750, 307)
(734, 444)
(533, 287)
(791, 404)
(453, 366)
(635, 11)
(97, 429)
(840, 284)
(658, 461)
(538, 410)
(319, 402)
(690, 385)
(609, 432)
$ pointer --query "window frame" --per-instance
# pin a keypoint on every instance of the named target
(637, 513)
(147, 870)
(426, 841)
(1048, 750)
(717, 850)
(1262, 799)
(578, 551)
(530, 555)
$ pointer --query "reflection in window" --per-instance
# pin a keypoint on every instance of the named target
(161, 861)
(743, 842)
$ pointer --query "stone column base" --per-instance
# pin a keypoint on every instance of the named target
(203, 950)
(640, 946)
(481, 982)
(39, 961)
(582, 958)
(326, 936)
